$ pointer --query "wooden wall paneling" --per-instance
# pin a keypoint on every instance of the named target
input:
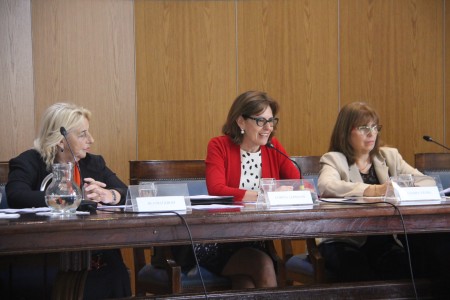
(447, 75)
(391, 57)
(16, 79)
(84, 53)
(289, 49)
(186, 75)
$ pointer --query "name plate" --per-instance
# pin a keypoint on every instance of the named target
(416, 193)
(289, 198)
(158, 204)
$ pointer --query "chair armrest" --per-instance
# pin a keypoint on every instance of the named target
(286, 248)
(168, 263)
(173, 270)
(317, 260)
(280, 268)
(138, 260)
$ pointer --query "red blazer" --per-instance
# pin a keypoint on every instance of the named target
(223, 166)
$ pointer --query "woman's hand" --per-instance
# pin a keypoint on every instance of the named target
(250, 196)
(285, 188)
(96, 191)
(376, 190)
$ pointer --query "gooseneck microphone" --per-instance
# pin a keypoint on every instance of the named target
(430, 139)
(270, 145)
(64, 134)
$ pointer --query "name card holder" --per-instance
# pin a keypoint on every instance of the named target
(289, 198)
(288, 192)
(416, 193)
(166, 197)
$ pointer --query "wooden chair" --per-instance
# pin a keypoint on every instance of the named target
(4, 170)
(307, 267)
(163, 170)
(193, 173)
(170, 279)
(436, 164)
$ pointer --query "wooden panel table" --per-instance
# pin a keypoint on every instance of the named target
(42, 234)
(31, 233)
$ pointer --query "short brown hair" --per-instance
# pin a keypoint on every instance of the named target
(352, 115)
(247, 104)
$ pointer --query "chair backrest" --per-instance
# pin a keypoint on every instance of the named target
(4, 170)
(191, 172)
(435, 164)
(310, 167)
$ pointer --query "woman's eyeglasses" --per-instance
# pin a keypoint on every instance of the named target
(261, 122)
(84, 135)
(369, 129)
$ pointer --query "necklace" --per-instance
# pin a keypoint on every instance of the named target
(366, 166)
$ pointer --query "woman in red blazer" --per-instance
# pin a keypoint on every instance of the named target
(235, 163)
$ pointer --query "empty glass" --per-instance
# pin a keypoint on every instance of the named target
(404, 180)
(265, 185)
(147, 189)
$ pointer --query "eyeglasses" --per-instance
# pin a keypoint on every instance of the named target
(261, 122)
(84, 135)
(367, 129)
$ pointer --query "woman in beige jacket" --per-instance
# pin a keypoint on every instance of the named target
(357, 166)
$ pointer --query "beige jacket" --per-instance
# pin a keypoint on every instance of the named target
(338, 179)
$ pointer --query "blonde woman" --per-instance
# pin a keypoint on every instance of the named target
(108, 277)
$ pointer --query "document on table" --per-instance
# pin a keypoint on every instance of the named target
(24, 210)
(13, 213)
(218, 207)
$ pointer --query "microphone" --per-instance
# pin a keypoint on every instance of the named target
(64, 134)
(85, 205)
(270, 145)
(430, 139)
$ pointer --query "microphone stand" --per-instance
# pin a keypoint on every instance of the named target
(430, 139)
(270, 145)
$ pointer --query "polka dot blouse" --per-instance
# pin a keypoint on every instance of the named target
(251, 170)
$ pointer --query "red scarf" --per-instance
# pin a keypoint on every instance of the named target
(77, 176)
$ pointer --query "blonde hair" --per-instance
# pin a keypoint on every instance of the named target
(56, 116)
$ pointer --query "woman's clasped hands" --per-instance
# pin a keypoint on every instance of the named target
(96, 191)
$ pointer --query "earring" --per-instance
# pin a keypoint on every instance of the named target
(242, 131)
(62, 149)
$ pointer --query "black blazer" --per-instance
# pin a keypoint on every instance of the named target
(28, 170)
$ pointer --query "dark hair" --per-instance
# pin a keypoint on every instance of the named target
(248, 104)
(352, 115)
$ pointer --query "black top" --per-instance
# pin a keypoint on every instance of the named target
(370, 177)
(28, 170)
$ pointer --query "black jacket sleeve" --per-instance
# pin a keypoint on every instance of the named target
(26, 173)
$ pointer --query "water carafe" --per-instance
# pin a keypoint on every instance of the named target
(63, 195)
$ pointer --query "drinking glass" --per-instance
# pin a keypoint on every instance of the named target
(405, 180)
(265, 185)
(147, 189)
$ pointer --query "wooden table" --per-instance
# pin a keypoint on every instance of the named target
(32, 234)
(42, 234)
